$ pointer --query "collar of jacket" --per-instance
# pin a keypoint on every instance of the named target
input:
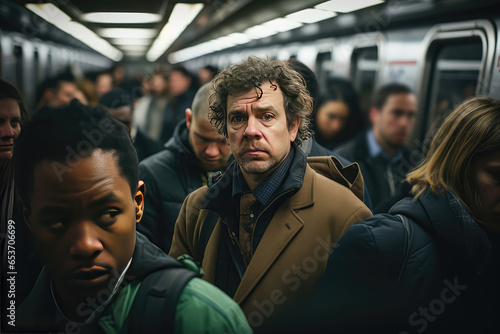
(434, 214)
(179, 143)
(361, 151)
(220, 194)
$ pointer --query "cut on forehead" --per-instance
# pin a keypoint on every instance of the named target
(200, 105)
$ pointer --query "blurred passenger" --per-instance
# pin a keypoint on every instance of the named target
(134, 88)
(191, 156)
(181, 90)
(87, 87)
(103, 83)
(207, 73)
(118, 74)
(433, 264)
(310, 146)
(120, 105)
(338, 117)
(380, 151)
(256, 226)
(57, 92)
(78, 179)
(151, 107)
(15, 241)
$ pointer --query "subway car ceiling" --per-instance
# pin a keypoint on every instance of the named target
(440, 48)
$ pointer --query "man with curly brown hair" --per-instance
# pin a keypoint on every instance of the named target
(263, 230)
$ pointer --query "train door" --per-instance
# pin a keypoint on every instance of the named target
(365, 63)
(458, 59)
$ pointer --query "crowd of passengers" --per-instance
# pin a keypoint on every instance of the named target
(279, 209)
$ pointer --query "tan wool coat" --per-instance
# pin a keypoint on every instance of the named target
(292, 254)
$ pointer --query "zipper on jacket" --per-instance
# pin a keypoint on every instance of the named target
(267, 207)
(390, 176)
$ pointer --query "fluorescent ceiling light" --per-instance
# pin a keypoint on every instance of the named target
(133, 47)
(259, 32)
(116, 17)
(282, 24)
(135, 53)
(50, 13)
(238, 38)
(223, 43)
(131, 41)
(127, 33)
(310, 15)
(182, 15)
(343, 6)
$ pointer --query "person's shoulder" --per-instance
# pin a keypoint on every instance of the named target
(203, 308)
(165, 161)
(353, 147)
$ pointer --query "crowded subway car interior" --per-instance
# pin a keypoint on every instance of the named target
(238, 166)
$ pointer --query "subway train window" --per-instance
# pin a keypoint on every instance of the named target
(18, 55)
(454, 77)
(324, 67)
(36, 67)
(364, 68)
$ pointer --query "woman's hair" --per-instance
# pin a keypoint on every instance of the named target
(7, 91)
(341, 90)
(470, 131)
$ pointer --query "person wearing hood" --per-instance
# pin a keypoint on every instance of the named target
(190, 157)
(433, 263)
(264, 228)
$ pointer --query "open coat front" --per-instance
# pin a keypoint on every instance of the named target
(292, 254)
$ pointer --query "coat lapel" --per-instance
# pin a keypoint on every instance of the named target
(281, 230)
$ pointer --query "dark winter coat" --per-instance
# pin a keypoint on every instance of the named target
(438, 274)
(170, 176)
(378, 172)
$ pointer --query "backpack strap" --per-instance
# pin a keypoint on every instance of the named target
(160, 290)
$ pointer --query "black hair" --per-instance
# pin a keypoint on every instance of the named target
(182, 70)
(212, 69)
(342, 90)
(381, 96)
(310, 78)
(116, 98)
(74, 131)
(54, 83)
(8, 91)
(133, 87)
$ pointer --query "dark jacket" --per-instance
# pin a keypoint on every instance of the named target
(170, 176)
(201, 308)
(319, 202)
(377, 173)
(439, 274)
(145, 146)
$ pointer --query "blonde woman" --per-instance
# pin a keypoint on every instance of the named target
(433, 264)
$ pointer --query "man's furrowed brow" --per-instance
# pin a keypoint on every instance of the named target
(237, 112)
(265, 107)
(108, 198)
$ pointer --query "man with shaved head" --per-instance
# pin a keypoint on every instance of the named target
(190, 157)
